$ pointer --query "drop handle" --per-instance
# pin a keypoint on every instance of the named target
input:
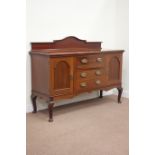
(83, 84)
(98, 72)
(99, 59)
(84, 61)
(98, 82)
(83, 74)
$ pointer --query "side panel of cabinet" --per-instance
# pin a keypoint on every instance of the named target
(113, 68)
(62, 76)
(40, 74)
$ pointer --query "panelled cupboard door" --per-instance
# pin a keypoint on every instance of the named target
(62, 76)
(113, 69)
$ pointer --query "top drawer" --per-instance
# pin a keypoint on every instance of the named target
(90, 61)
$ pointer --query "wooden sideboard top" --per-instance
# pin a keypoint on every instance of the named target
(67, 52)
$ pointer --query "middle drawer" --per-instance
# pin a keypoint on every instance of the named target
(90, 74)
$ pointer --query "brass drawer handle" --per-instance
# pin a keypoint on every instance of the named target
(98, 82)
(83, 84)
(98, 72)
(84, 61)
(99, 59)
(83, 74)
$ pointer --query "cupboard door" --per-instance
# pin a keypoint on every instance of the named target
(62, 76)
(114, 69)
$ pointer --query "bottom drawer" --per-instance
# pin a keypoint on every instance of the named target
(90, 85)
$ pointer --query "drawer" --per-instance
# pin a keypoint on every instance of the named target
(90, 74)
(90, 61)
(89, 85)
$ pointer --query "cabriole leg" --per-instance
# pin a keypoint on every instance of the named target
(120, 90)
(50, 110)
(33, 98)
(101, 94)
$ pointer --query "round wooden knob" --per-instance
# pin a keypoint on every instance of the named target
(98, 72)
(99, 59)
(98, 82)
(84, 61)
(83, 84)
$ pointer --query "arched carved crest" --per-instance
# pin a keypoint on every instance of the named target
(70, 39)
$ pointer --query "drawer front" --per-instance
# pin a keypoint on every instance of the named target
(90, 74)
(90, 61)
(89, 85)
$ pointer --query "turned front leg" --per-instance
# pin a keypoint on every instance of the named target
(33, 98)
(50, 110)
(120, 90)
(101, 94)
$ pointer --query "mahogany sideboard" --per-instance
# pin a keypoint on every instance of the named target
(65, 68)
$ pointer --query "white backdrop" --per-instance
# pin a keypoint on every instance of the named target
(92, 20)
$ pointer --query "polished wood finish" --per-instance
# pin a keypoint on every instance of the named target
(68, 42)
(65, 68)
(40, 74)
(92, 61)
(114, 68)
(61, 76)
(90, 74)
(90, 85)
